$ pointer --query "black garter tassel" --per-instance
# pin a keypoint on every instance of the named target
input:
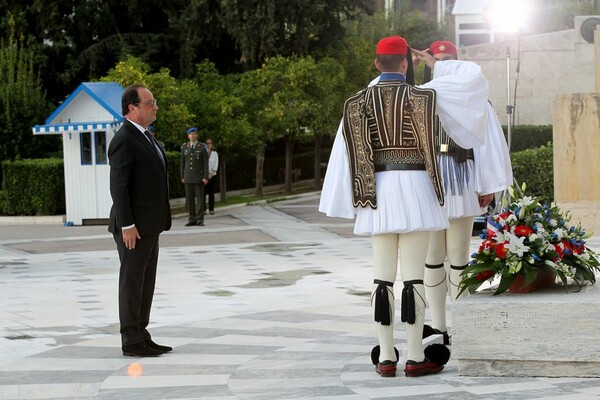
(382, 302)
(408, 301)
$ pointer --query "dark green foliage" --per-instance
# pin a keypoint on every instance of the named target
(176, 188)
(535, 168)
(22, 104)
(33, 187)
(530, 136)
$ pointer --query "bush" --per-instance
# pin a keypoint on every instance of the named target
(529, 136)
(535, 167)
(176, 188)
(33, 187)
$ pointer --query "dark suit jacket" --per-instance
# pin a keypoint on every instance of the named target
(138, 183)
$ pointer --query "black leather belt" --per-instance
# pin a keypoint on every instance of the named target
(399, 167)
(461, 155)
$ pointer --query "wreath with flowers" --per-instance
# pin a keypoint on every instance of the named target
(526, 238)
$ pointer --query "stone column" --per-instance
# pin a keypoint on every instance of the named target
(597, 47)
(576, 140)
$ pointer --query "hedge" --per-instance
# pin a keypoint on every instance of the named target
(22, 194)
(529, 136)
(33, 187)
(535, 168)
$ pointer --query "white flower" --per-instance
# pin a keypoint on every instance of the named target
(553, 222)
(560, 233)
(516, 246)
(527, 200)
(539, 227)
(511, 218)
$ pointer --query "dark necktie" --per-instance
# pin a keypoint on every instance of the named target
(151, 139)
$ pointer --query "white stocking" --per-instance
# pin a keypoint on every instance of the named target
(436, 285)
(385, 259)
(458, 238)
(413, 251)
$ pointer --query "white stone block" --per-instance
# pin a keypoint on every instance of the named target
(546, 333)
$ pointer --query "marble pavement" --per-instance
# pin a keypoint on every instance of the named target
(264, 302)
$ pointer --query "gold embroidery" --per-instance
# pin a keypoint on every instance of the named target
(389, 123)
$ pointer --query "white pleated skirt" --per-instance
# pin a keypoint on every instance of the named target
(461, 198)
(406, 202)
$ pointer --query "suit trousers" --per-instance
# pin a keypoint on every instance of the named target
(137, 277)
(194, 197)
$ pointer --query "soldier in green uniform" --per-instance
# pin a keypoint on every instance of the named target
(194, 174)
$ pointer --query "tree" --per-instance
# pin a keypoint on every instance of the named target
(327, 93)
(174, 116)
(22, 103)
(220, 115)
(267, 28)
(256, 93)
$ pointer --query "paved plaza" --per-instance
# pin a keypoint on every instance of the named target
(265, 302)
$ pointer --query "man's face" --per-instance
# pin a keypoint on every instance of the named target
(193, 136)
(444, 56)
(144, 112)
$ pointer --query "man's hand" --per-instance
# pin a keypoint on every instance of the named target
(425, 57)
(485, 200)
(205, 181)
(130, 236)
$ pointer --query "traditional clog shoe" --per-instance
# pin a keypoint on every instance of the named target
(425, 367)
(386, 369)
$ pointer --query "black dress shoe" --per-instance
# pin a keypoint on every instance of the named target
(200, 224)
(190, 224)
(140, 350)
(156, 346)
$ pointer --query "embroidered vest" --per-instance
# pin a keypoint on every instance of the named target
(386, 124)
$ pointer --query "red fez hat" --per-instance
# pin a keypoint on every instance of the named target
(395, 45)
(443, 46)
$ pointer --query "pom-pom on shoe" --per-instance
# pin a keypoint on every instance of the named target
(377, 350)
(436, 356)
(385, 368)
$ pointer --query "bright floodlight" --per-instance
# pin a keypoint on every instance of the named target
(508, 15)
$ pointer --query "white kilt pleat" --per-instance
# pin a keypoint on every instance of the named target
(461, 199)
(406, 202)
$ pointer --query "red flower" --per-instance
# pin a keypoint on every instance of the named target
(482, 276)
(523, 230)
(488, 244)
(501, 250)
(568, 249)
(559, 250)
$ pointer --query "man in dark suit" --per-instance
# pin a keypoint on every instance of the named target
(194, 174)
(140, 212)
